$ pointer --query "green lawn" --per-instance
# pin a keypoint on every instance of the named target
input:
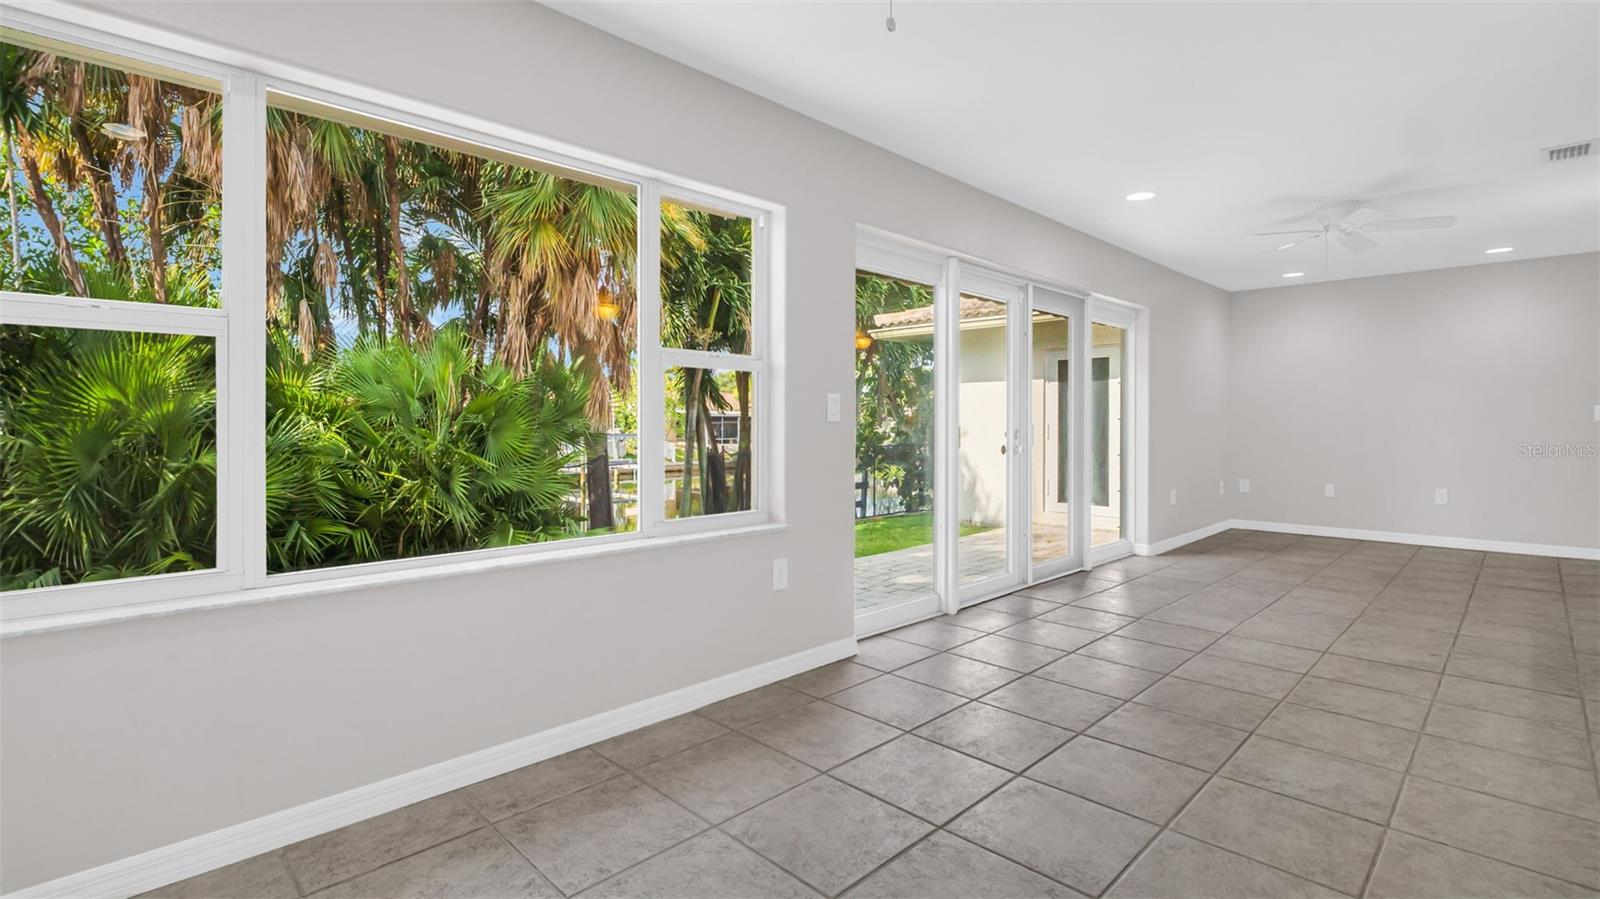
(892, 532)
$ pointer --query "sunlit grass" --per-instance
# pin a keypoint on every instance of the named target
(891, 532)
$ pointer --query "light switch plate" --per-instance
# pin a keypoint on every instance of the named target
(1244, 485)
(1441, 496)
(833, 407)
(780, 574)
(1327, 490)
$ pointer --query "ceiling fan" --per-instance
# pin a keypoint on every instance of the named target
(1349, 222)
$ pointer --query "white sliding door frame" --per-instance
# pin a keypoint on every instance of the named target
(894, 261)
(1120, 315)
(1013, 292)
(1071, 307)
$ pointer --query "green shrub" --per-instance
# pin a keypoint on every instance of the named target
(387, 451)
(108, 453)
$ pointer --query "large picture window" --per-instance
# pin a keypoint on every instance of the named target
(108, 411)
(417, 341)
(451, 345)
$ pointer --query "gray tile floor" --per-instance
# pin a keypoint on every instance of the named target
(1254, 715)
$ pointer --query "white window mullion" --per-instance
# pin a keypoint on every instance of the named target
(109, 315)
(242, 450)
(769, 458)
(674, 358)
(652, 415)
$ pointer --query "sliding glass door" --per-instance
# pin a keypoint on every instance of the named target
(1055, 326)
(993, 430)
(897, 570)
(991, 319)
(1110, 431)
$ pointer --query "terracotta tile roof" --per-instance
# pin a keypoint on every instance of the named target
(971, 308)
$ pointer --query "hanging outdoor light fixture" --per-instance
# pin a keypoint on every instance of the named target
(605, 306)
(889, 22)
(122, 131)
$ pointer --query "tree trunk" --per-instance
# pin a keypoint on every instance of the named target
(714, 478)
(402, 293)
(153, 198)
(16, 228)
(742, 500)
(352, 263)
(598, 477)
(105, 199)
(691, 433)
(47, 214)
(480, 315)
(380, 284)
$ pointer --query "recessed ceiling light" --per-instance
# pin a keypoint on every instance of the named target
(1139, 196)
(1495, 250)
(1294, 274)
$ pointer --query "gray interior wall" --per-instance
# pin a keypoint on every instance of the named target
(123, 738)
(1391, 387)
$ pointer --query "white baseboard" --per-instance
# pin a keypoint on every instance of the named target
(175, 862)
(1172, 543)
(1495, 546)
(1317, 530)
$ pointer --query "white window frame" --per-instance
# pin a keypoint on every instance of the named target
(653, 367)
(240, 574)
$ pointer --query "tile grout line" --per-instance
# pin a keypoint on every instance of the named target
(1583, 695)
(1405, 775)
(1217, 773)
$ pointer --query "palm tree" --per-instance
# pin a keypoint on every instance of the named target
(392, 450)
(706, 303)
(108, 454)
(25, 72)
(894, 390)
(81, 90)
(558, 243)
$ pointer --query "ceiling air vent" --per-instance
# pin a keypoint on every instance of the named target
(1569, 152)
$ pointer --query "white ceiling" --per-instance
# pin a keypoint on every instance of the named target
(1243, 116)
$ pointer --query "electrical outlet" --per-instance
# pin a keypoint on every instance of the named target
(1172, 499)
(1441, 496)
(1327, 490)
(780, 574)
(833, 407)
(1244, 485)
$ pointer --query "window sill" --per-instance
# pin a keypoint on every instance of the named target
(44, 624)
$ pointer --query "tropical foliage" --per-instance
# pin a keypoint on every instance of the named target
(894, 395)
(108, 455)
(451, 336)
(705, 262)
(384, 451)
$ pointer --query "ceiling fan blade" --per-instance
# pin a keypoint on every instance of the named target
(1310, 235)
(1283, 233)
(1366, 215)
(1416, 224)
(1336, 213)
(1356, 242)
